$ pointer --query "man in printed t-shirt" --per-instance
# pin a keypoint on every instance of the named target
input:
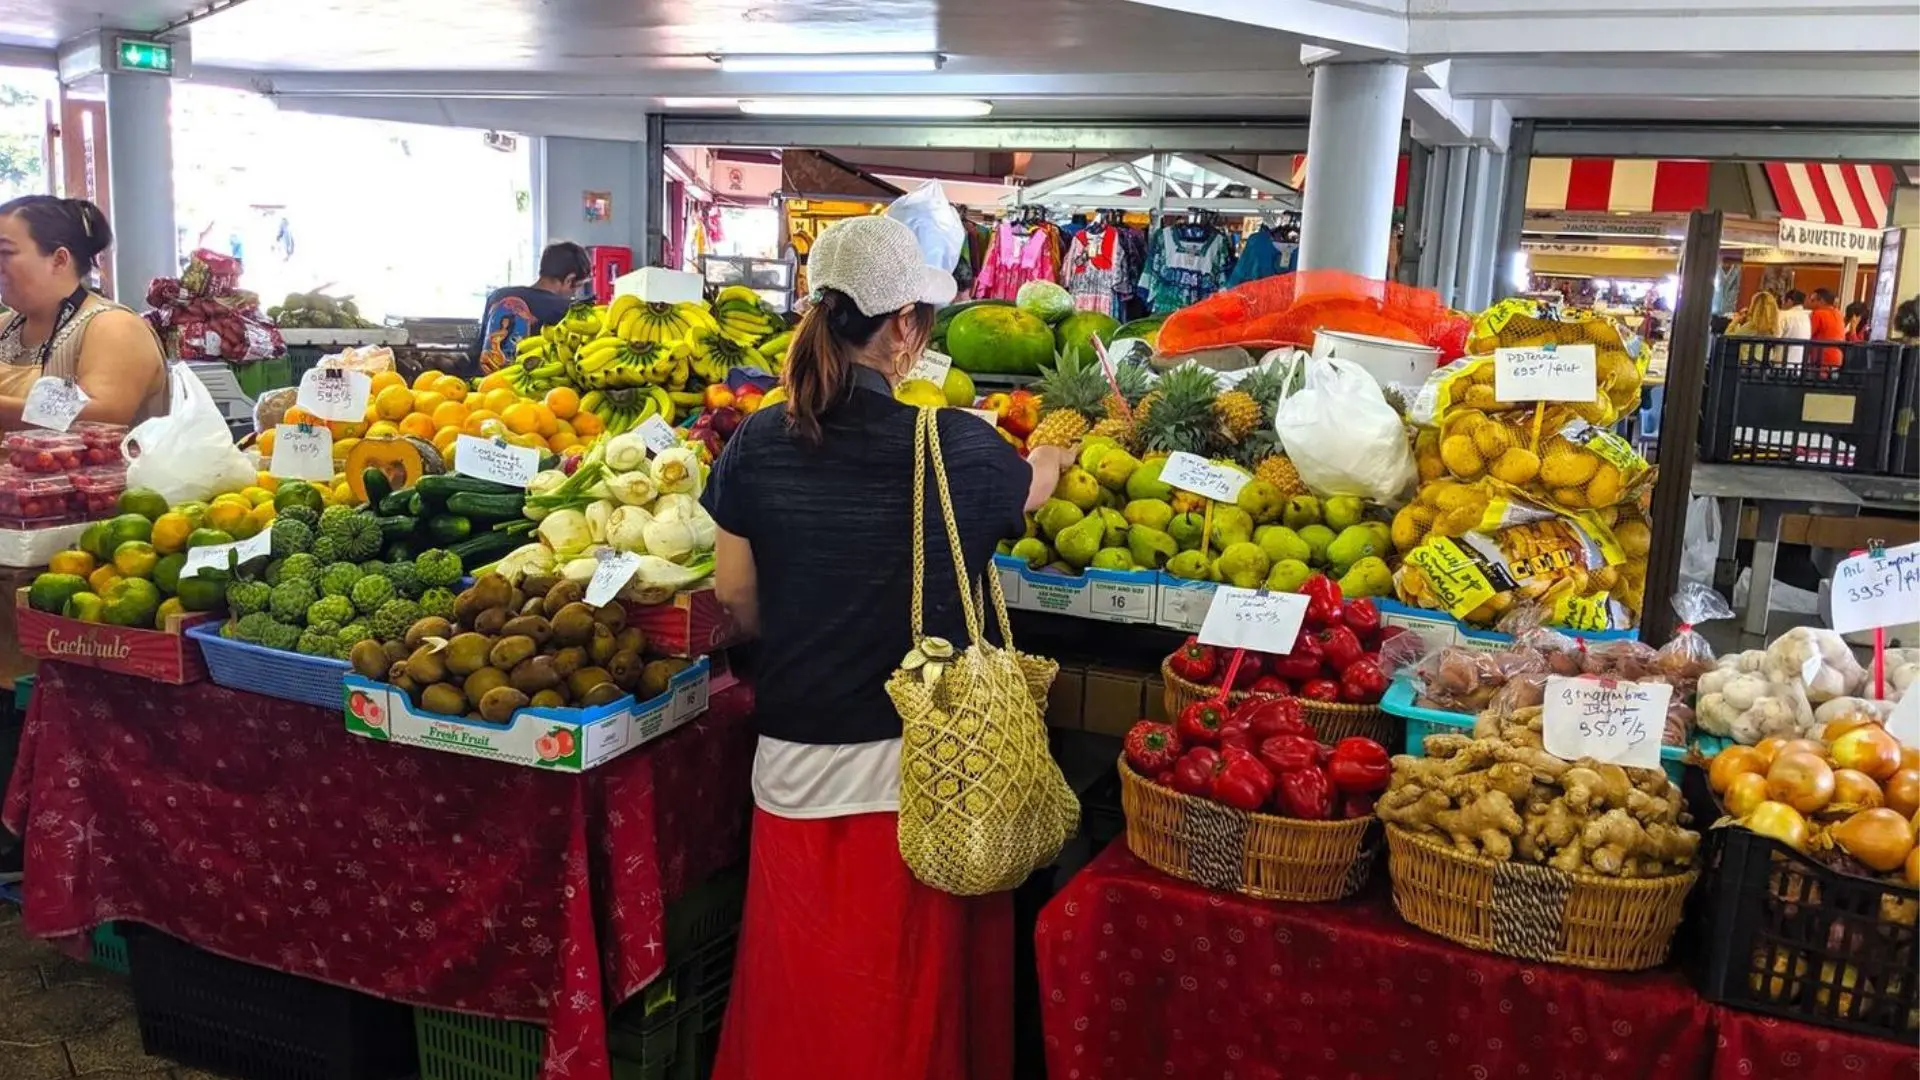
(518, 311)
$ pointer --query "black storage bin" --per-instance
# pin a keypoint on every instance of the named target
(1770, 930)
(1763, 409)
(208, 1012)
(1903, 459)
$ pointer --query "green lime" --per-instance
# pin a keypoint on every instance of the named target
(166, 572)
(146, 502)
(135, 558)
(206, 537)
(131, 602)
(85, 606)
(94, 542)
(127, 527)
(204, 592)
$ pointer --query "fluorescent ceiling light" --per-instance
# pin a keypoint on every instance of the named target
(935, 107)
(829, 63)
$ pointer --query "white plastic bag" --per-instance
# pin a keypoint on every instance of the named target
(935, 224)
(1700, 546)
(187, 454)
(1342, 435)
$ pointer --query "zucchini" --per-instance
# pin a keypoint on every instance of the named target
(445, 529)
(400, 551)
(374, 479)
(396, 526)
(442, 486)
(484, 548)
(488, 507)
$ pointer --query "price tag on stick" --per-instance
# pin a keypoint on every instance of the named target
(1872, 591)
(658, 435)
(932, 366)
(615, 570)
(334, 394)
(1256, 619)
(302, 452)
(501, 462)
(1610, 721)
(1191, 472)
(1547, 373)
(53, 403)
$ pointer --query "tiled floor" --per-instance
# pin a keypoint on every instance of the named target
(61, 1018)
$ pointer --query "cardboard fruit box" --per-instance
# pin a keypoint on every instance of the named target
(691, 624)
(167, 656)
(1122, 596)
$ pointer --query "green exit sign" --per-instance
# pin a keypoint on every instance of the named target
(135, 54)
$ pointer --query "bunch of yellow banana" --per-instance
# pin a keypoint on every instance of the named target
(743, 317)
(712, 354)
(624, 410)
(585, 320)
(638, 323)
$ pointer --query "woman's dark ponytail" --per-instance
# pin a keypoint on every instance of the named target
(826, 346)
(55, 223)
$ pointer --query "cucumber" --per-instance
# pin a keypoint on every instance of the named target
(398, 502)
(446, 529)
(484, 548)
(374, 479)
(487, 507)
(396, 526)
(435, 490)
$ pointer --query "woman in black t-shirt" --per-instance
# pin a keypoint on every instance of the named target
(849, 968)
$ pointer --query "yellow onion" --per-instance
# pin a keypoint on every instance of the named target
(1909, 756)
(1809, 746)
(1903, 792)
(1780, 822)
(1854, 790)
(1801, 780)
(1869, 749)
(1769, 748)
(1846, 722)
(1732, 762)
(1913, 866)
(1747, 791)
(1879, 838)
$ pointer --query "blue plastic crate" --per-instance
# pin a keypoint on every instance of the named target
(314, 680)
(109, 949)
(1424, 722)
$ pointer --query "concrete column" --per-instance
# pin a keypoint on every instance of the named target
(140, 175)
(1451, 220)
(1353, 152)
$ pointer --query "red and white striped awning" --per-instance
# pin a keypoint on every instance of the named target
(1832, 194)
(1617, 185)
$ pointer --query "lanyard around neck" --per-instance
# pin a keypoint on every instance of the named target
(69, 308)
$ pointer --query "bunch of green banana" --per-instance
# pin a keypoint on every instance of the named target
(745, 318)
(624, 410)
(712, 354)
(774, 350)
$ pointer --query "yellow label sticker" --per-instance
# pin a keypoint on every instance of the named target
(1591, 613)
(1456, 580)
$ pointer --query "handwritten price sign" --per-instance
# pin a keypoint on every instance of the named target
(224, 556)
(503, 463)
(1871, 591)
(1267, 622)
(615, 570)
(53, 403)
(334, 394)
(932, 366)
(302, 452)
(658, 435)
(1191, 472)
(1561, 373)
(1616, 722)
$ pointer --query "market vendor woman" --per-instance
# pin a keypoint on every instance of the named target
(849, 968)
(60, 327)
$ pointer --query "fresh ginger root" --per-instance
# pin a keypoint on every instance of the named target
(1487, 826)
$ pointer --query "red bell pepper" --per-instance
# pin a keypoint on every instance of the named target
(1194, 662)
(1270, 716)
(1152, 748)
(1271, 685)
(1353, 806)
(1303, 663)
(1363, 683)
(1304, 793)
(1287, 753)
(1193, 773)
(1323, 601)
(1320, 690)
(1251, 669)
(1341, 647)
(1236, 732)
(1199, 723)
(1241, 781)
(1362, 616)
(1359, 766)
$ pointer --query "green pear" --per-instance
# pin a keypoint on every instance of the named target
(1353, 544)
(1231, 525)
(1004, 547)
(1058, 567)
(1035, 553)
(1033, 527)
(1150, 547)
(1281, 543)
(1144, 482)
(1318, 537)
(1343, 511)
(1261, 501)
(1301, 511)
(1112, 558)
(1078, 542)
(1113, 527)
(1079, 487)
(1108, 499)
(1382, 534)
(1243, 565)
(1190, 565)
(1093, 448)
(1288, 575)
(1056, 515)
(1152, 513)
(1186, 529)
(1115, 468)
(1368, 577)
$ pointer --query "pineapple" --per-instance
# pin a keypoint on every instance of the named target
(1134, 382)
(1278, 470)
(1238, 413)
(1179, 414)
(1071, 394)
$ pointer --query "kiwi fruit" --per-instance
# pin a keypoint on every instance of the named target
(426, 665)
(515, 598)
(534, 674)
(601, 694)
(489, 591)
(490, 621)
(569, 660)
(538, 584)
(600, 646)
(535, 606)
(369, 659)
(573, 625)
(624, 669)
(630, 639)
(396, 651)
(483, 680)
(654, 679)
(509, 651)
(444, 698)
(466, 653)
(533, 626)
(586, 679)
(403, 683)
(612, 616)
(548, 699)
(498, 705)
(424, 628)
(563, 593)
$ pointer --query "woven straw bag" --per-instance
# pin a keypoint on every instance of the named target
(982, 802)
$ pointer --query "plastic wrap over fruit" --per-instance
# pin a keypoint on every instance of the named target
(1570, 568)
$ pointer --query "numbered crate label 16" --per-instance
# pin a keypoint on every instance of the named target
(1562, 373)
(1872, 591)
(1119, 602)
(1267, 622)
(1191, 472)
(1620, 723)
(334, 394)
(503, 463)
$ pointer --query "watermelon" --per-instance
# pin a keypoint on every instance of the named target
(999, 340)
(1045, 299)
(1072, 333)
(945, 318)
(1147, 330)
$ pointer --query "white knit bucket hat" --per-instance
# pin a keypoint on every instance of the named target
(876, 261)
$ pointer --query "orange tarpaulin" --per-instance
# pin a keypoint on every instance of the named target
(1292, 308)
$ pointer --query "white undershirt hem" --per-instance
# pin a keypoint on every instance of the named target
(806, 781)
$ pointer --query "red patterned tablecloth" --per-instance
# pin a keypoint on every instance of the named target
(1748, 1046)
(260, 829)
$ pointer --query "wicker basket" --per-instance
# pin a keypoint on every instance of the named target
(1331, 720)
(1273, 858)
(1534, 912)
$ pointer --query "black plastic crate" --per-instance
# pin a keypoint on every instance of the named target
(223, 1016)
(1903, 459)
(1764, 408)
(1773, 931)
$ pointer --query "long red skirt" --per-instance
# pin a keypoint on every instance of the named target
(849, 969)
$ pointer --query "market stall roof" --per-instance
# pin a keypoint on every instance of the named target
(1844, 194)
(1160, 182)
(1828, 194)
